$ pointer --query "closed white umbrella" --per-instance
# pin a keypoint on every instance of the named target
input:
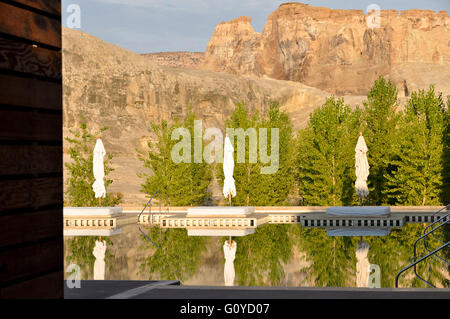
(229, 189)
(229, 250)
(99, 253)
(361, 168)
(99, 170)
(362, 264)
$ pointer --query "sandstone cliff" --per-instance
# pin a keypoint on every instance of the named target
(335, 50)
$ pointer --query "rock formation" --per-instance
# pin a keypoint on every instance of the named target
(335, 50)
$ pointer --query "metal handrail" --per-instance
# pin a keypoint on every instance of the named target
(436, 221)
(418, 261)
(431, 253)
(424, 237)
(139, 227)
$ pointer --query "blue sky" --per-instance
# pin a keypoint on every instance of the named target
(187, 25)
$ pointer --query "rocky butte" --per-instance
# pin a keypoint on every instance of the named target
(335, 50)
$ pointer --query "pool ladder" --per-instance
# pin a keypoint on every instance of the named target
(437, 224)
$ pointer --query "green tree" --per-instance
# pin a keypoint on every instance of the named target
(326, 174)
(418, 151)
(179, 184)
(325, 155)
(253, 188)
(381, 130)
(260, 256)
(79, 191)
(419, 175)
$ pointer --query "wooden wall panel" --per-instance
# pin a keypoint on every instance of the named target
(30, 59)
(22, 262)
(52, 7)
(44, 287)
(28, 226)
(30, 193)
(30, 126)
(31, 168)
(29, 25)
(30, 92)
(30, 159)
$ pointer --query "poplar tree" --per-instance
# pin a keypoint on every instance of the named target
(418, 178)
(381, 117)
(179, 184)
(260, 256)
(326, 159)
(325, 155)
(253, 187)
(79, 193)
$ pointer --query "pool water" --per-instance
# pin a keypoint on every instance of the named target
(275, 255)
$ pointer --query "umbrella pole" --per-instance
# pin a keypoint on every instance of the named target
(229, 199)
(99, 201)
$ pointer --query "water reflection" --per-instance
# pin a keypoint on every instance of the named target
(275, 255)
(79, 251)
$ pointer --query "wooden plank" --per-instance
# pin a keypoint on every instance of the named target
(26, 58)
(32, 126)
(29, 25)
(30, 159)
(25, 261)
(32, 226)
(30, 92)
(49, 6)
(30, 193)
(43, 287)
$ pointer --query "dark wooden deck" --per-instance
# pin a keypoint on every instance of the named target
(107, 289)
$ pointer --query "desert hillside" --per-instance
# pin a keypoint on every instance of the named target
(181, 59)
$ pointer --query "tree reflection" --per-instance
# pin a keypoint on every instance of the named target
(79, 251)
(260, 256)
(177, 256)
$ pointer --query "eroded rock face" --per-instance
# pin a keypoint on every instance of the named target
(180, 59)
(108, 85)
(333, 50)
